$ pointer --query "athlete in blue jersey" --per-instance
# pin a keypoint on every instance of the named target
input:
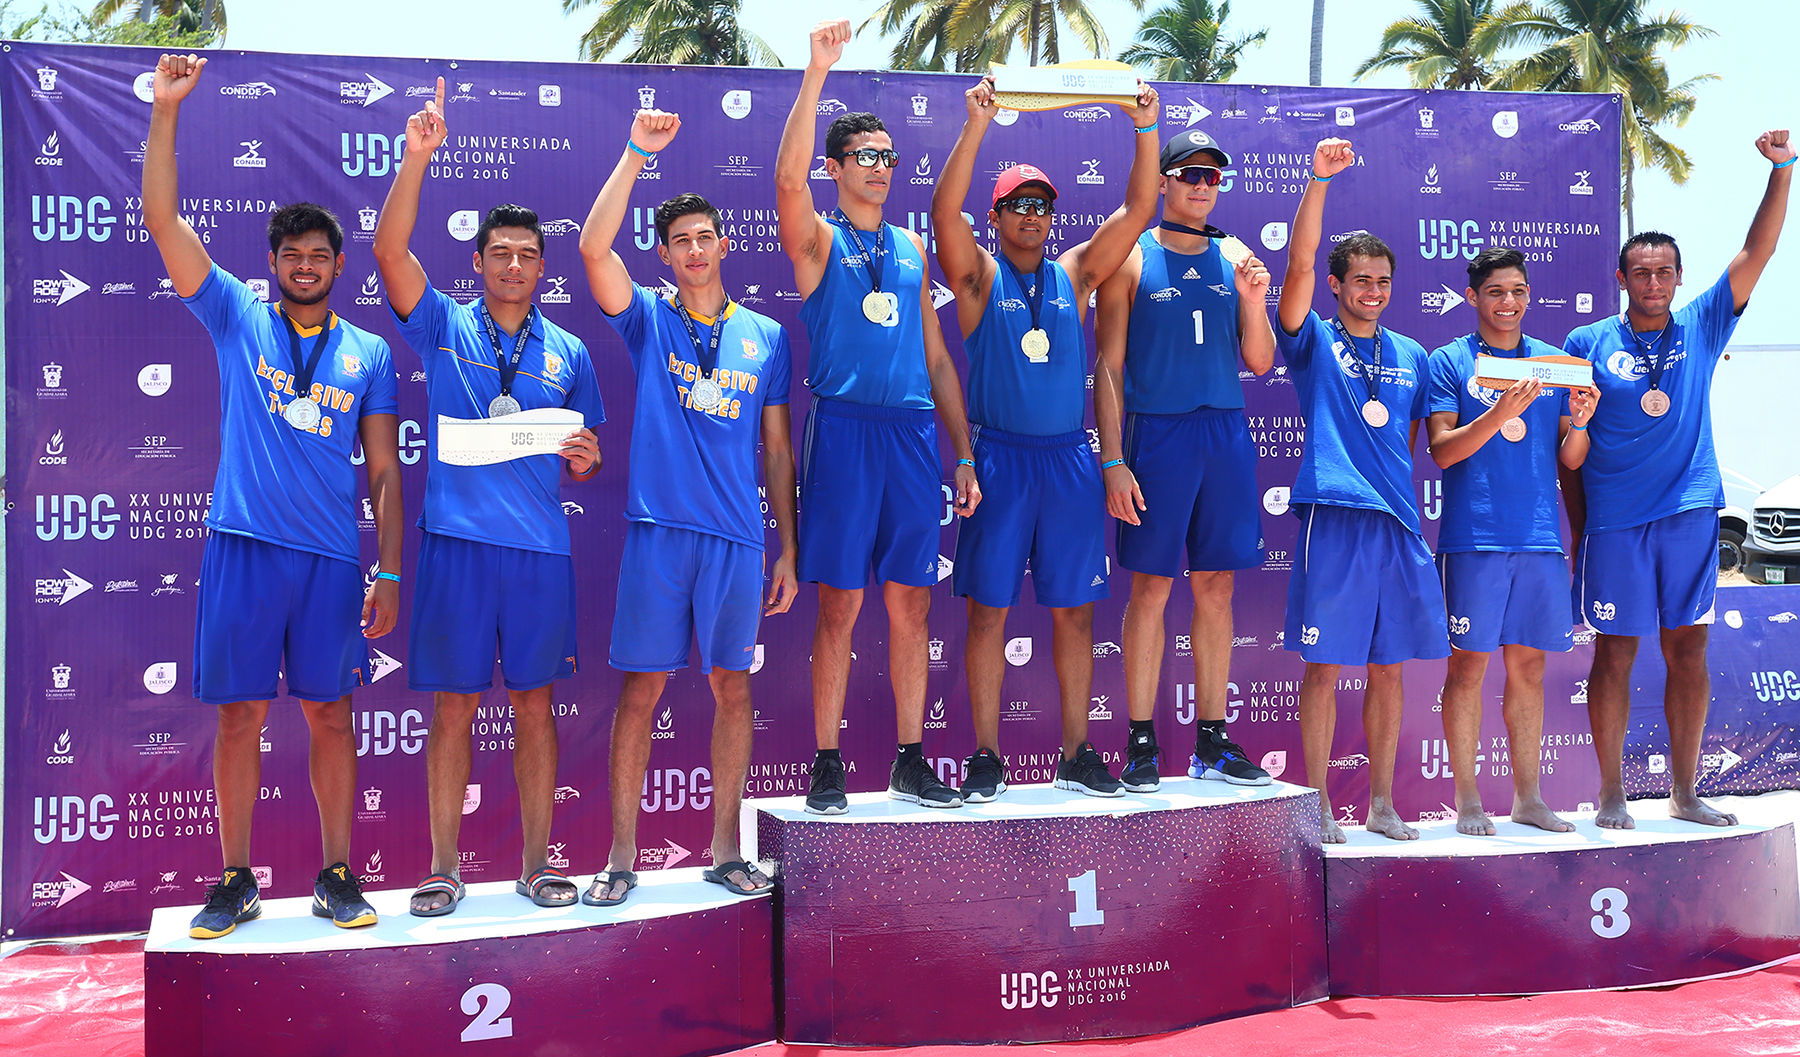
(1363, 590)
(1500, 555)
(1174, 324)
(494, 568)
(712, 381)
(1021, 318)
(280, 584)
(870, 479)
(1646, 564)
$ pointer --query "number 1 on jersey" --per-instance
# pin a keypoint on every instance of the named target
(1199, 327)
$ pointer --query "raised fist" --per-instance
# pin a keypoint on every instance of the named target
(1774, 145)
(1332, 156)
(828, 40)
(176, 76)
(654, 129)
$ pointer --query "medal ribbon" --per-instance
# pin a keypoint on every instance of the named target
(1034, 295)
(1209, 232)
(1373, 378)
(874, 261)
(507, 370)
(303, 372)
(1653, 352)
(705, 354)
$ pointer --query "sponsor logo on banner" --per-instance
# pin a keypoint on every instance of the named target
(1004, 117)
(57, 894)
(1657, 763)
(1427, 118)
(944, 568)
(560, 226)
(738, 165)
(119, 289)
(819, 172)
(51, 151)
(1431, 185)
(922, 171)
(919, 105)
(251, 158)
(1584, 302)
(70, 517)
(1580, 694)
(471, 798)
(556, 295)
(1187, 114)
(364, 93)
(1275, 500)
(1506, 123)
(941, 295)
(1581, 185)
(566, 793)
(53, 451)
(159, 678)
(371, 799)
(646, 98)
(571, 507)
(1107, 649)
(757, 657)
(934, 716)
(66, 819)
(1092, 176)
(649, 170)
(52, 386)
(1088, 115)
(1018, 651)
(1440, 301)
(736, 104)
(155, 378)
(61, 590)
(71, 218)
(247, 90)
(549, 95)
(1184, 645)
(1097, 707)
(62, 751)
(463, 224)
(372, 871)
(144, 86)
(934, 652)
(665, 725)
(1275, 235)
(675, 789)
(1581, 127)
(117, 587)
(667, 855)
(60, 676)
(58, 291)
(381, 666)
(369, 293)
(558, 855)
(831, 106)
(46, 83)
(1508, 181)
(1346, 115)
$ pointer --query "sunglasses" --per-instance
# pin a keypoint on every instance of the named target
(1032, 207)
(1210, 175)
(867, 157)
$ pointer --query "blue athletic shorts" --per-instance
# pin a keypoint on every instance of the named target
(475, 600)
(1198, 475)
(675, 583)
(1663, 574)
(1363, 590)
(1042, 502)
(1507, 598)
(871, 495)
(260, 603)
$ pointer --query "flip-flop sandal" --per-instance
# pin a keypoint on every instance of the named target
(434, 884)
(602, 884)
(719, 875)
(532, 886)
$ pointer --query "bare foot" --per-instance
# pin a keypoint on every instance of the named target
(1329, 831)
(1471, 819)
(1693, 809)
(1385, 821)
(1612, 814)
(1535, 812)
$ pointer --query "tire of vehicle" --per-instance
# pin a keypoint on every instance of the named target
(1731, 550)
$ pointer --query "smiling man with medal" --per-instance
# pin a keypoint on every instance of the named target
(712, 382)
(870, 489)
(1647, 560)
(495, 573)
(281, 582)
(1500, 554)
(1363, 590)
(1021, 314)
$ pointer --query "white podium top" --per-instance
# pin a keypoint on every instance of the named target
(1033, 801)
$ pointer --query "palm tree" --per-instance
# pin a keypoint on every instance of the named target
(1315, 77)
(1448, 44)
(1185, 41)
(190, 16)
(673, 31)
(1608, 46)
(965, 36)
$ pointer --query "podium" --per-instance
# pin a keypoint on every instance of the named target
(1045, 915)
(681, 968)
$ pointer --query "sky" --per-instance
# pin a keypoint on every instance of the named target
(1709, 215)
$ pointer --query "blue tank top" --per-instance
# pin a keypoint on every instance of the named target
(1006, 389)
(1181, 349)
(856, 360)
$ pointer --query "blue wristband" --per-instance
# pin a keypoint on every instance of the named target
(1321, 179)
(641, 152)
(388, 576)
(965, 462)
(1785, 164)
(1573, 426)
(1113, 463)
(1151, 127)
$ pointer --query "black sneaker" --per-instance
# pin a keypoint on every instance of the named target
(232, 900)
(913, 781)
(1219, 758)
(986, 777)
(1086, 773)
(1140, 774)
(826, 794)
(337, 895)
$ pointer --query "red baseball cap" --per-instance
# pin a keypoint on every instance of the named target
(1010, 181)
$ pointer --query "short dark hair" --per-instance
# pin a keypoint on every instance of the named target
(508, 216)
(1491, 260)
(304, 218)
(1649, 240)
(848, 125)
(685, 205)
(1359, 244)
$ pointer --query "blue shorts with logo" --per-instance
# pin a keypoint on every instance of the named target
(1041, 502)
(474, 601)
(1198, 475)
(676, 584)
(1507, 598)
(266, 609)
(1363, 590)
(871, 495)
(1663, 574)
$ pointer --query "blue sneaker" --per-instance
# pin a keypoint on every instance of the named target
(336, 895)
(1220, 759)
(232, 900)
(1140, 774)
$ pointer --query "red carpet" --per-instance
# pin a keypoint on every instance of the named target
(88, 1001)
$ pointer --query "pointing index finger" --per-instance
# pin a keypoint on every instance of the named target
(440, 95)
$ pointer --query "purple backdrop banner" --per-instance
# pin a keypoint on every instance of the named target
(112, 388)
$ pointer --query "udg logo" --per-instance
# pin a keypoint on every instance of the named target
(382, 733)
(1030, 990)
(70, 218)
(73, 517)
(672, 789)
(369, 153)
(68, 819)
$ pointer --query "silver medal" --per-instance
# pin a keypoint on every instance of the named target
(1655, 403)
(1035, 345)
(502, 405)
(1375, 413)
(1513, 429)
(706, 395)
(303, 413)
(875, 306)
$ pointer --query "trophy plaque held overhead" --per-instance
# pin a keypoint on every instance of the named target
(1064, 84)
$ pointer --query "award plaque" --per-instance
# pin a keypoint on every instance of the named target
(1064, 84)
(1500, 372)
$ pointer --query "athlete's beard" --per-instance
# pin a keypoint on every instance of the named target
(302, 296)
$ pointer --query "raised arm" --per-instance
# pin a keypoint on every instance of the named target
(1765, 229)
(606, 274)
(1123, 496)
(967, 268)
(805, 237)
(778, 482)
(1330, 157)
(401, 272)
(1093, 262)
(183, 254)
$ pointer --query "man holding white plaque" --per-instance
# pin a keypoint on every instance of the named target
(1500, 555)
(494, 565)
(1175, 321)
(1647, 560)
(1021, 314)
(712, 381)
(1363, 590)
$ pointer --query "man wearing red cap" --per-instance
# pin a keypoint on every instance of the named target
(1180, 468)
(1021, 316)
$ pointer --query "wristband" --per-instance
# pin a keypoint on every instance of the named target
(1785, 164)
(1109, 465)
(1573, 426)
(639, 151)
(1151, 127)
(1322, 179)
(388, 576)
(965, 462)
